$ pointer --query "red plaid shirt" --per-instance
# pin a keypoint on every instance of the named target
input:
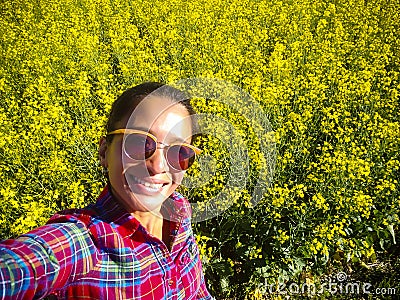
(103, 252)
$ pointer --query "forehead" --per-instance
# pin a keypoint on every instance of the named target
(161, 115)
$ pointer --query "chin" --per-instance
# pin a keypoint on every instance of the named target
(148, 198)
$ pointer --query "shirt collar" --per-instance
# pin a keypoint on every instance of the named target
(176, 208)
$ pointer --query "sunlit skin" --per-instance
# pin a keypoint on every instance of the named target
(172, 125)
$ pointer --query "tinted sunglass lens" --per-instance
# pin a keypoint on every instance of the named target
(180, 157)
(139, 146)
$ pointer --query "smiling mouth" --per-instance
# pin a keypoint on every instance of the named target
(152, 187)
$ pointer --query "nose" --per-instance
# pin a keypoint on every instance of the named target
(156, 164)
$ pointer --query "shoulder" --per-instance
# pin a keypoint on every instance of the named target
(84, 216)
(69, 227)
(55, 243)
(81, 216)
(85, 222)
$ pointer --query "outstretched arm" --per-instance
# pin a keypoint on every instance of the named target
(44, 260)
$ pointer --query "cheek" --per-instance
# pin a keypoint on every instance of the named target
(170, 190)
(113, 155)
(115, 165)
(177, 178)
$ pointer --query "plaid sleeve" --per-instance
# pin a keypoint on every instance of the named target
(203, 292)
(44, 260)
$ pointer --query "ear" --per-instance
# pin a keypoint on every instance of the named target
(102, 152)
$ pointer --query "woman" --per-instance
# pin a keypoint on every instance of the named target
(136, 241)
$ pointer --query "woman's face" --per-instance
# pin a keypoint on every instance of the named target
(144, 185)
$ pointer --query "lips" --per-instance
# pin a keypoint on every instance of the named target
(152, 186)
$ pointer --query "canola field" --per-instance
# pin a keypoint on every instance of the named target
(326, 73)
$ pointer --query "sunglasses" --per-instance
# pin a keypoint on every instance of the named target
(141, 145)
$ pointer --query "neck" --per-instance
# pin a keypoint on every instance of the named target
(151, 221)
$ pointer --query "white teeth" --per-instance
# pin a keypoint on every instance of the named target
(154, 186)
